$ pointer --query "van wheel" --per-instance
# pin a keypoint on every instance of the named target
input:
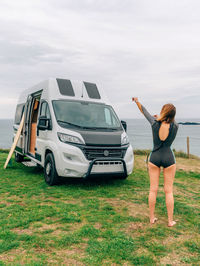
(123, 177)
(50, 173)
(18, 157)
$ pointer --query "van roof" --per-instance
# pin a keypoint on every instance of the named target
(57, 88)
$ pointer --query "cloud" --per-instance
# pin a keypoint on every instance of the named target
(17, 53)
(148, 49)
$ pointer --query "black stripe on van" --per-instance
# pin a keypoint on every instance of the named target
(38, 156)
(18, 149)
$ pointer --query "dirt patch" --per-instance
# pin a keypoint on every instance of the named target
(40, 229)
(134, 226)
(6, 203)
(45, 227)
(174, 258)
(76, 226)
(133, 208)
(140, 162)
(69, 255)
(10, 256)
(71, 262)
(97, 225)
(180, 239)
(22, 231)
(138, 209)
(188, 165)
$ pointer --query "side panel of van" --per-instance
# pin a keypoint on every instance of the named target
(43, 142)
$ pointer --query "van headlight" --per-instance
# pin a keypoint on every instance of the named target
(69, 138)
(124, 139)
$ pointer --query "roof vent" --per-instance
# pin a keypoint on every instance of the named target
(65, 87)
(92, 90)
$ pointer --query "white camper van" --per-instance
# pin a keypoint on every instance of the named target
(71, 130)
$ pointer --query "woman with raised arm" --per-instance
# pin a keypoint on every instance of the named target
(164, 130)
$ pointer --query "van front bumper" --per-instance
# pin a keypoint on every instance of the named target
(111, 166)
(72, 162)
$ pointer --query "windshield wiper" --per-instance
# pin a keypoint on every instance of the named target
(68, 123)
(104, 128)
(95, 128)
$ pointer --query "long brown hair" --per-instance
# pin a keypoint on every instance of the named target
(167, 113)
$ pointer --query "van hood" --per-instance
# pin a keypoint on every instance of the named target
(101, 138)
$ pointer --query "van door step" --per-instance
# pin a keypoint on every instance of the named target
(29, 163)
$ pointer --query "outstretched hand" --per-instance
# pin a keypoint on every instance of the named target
(135, 99)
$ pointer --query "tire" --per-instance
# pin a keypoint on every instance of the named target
(18, 157)
(50, 173)
(123, 177)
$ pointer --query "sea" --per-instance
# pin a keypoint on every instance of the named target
(139, 132)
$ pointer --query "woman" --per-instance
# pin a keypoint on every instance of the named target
(164, 130)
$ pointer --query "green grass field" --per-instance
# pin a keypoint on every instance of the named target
(96, 222)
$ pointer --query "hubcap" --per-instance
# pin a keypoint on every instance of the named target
(48, 168)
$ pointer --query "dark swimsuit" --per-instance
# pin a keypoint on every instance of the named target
(161, 155)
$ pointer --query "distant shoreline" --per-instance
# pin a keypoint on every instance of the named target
(190, 123)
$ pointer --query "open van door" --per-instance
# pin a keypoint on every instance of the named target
(27, 112)
(30, 129)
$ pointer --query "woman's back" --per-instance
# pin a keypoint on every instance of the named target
(163, 133)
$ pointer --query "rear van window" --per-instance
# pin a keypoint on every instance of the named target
(19, 113)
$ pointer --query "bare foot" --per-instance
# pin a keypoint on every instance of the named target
(170, 224)
(153, 220)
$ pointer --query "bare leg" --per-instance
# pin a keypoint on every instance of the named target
(169, 174)
(154, 173)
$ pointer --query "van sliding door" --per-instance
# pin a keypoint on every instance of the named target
(28, 108)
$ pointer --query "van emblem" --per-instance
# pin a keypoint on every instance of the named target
(106, 153)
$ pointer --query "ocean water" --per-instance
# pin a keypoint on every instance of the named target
(140, 135)
(139, 132)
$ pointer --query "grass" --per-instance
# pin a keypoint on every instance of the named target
(97, 222)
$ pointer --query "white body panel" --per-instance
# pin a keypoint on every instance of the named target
(70, 160)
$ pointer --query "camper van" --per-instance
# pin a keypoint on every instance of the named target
(71, 130)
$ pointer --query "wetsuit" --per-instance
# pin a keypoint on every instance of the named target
(161, 155)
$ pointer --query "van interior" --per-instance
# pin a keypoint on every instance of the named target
(33, 125)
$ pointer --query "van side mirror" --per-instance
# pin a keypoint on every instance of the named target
(44, 123)
(124, 124)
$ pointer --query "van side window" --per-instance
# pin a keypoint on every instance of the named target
(108, 116)
(19, 113)
(43, 109)
(48, 115)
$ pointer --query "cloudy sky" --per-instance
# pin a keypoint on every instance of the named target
(149, 49)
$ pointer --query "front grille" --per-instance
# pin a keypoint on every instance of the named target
(95, 153)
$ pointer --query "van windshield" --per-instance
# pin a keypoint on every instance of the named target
(85, 115)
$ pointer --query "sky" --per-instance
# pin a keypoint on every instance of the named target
(148, 49)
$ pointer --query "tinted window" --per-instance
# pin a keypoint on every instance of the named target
(92, 90)
(43, 109)
(85, 114)
(65, 87)
(19, 113)
(108, 116)
(48, 112)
